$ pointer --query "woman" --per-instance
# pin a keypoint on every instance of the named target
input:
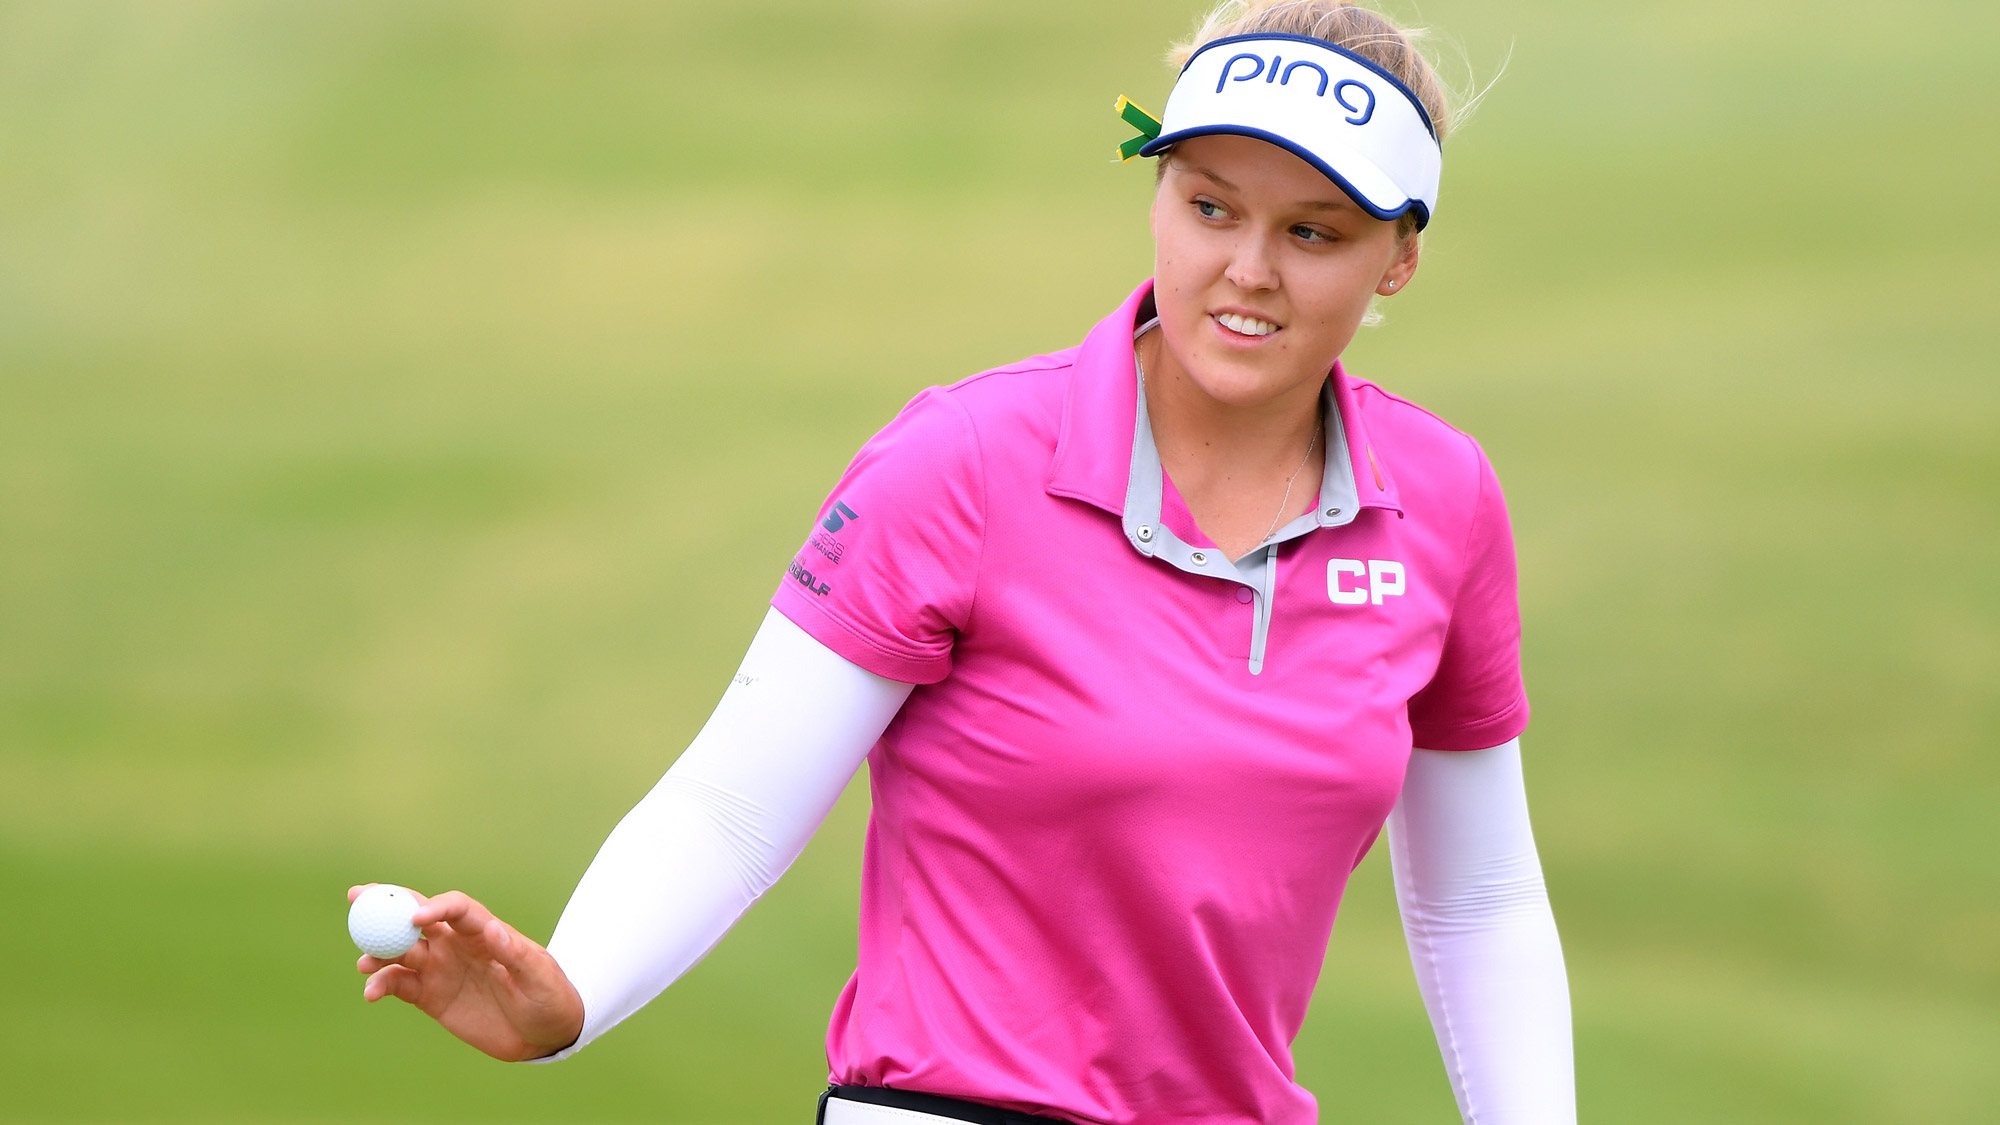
(1143, 641)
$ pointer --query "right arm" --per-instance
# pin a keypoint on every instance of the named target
(676, 873)
(895, 558)
(722, 825)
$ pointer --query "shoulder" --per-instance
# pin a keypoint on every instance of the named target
(1442, 479)
(1429, 457)
(1406, 428)
(1011, 410)
(1018, 395)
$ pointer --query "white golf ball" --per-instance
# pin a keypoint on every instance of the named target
(379, 921)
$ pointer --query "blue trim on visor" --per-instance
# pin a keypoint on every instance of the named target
(1323, 45)
(1423, 213)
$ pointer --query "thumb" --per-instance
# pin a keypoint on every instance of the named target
(505, 945)
(526, 962)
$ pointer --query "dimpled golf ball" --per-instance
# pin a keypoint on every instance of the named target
(379, 921)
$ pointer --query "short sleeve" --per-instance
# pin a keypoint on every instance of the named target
(887, 574)
(1476, 700)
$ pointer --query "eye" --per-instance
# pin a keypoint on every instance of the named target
(1210, 209)
(1311, 234)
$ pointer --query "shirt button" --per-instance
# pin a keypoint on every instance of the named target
(1244, 595)
(1145, 535)
(1333, 511)
(1199, 559)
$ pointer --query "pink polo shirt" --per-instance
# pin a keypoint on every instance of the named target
(1113, 822)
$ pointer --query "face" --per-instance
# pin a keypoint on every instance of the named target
(1263, 269)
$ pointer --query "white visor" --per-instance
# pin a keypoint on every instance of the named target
(1330, 107)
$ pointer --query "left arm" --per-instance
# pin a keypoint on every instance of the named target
(1482, 937)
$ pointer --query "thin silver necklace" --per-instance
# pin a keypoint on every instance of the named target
(1286, 500)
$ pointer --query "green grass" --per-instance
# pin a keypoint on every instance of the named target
(406, 409)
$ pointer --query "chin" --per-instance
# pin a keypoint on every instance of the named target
(1237, 383)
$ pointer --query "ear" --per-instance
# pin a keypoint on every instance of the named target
(1403, 267)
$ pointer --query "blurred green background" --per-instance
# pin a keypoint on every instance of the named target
(407, 408)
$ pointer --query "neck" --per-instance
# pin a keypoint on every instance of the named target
(1207, 444)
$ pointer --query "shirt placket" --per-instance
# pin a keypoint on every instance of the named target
(1145, 495)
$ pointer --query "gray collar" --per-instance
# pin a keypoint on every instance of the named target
(1145, 491)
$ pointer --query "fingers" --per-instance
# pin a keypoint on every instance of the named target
(466, 918)
(461, 922)
(454, 908)
(414, 958)
(506, 946)
(459, 929)
(393, 980)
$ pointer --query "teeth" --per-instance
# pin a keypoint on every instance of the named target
(1246, 325)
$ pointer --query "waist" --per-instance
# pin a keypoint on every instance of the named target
(878, 1105)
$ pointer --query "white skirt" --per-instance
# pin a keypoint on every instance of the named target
(840, 1111)
(865, 1108)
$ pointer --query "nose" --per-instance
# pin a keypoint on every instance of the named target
(1250, 263)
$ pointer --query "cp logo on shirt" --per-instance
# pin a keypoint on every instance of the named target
(1352, 582)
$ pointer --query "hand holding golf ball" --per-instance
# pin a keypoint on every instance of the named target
(476, 975)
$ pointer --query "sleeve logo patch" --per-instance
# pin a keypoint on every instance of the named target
(806, 578)
(827, 545)
(1378, 579)
(823, 538)
(838, 517)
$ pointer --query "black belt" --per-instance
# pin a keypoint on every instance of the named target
(957, 1110)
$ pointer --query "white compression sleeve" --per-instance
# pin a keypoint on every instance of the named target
(1482, 937)
(734, 811)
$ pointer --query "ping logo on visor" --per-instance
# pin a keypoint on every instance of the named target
(1331, 108)
(1258, 66)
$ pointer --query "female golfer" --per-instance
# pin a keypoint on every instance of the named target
(1143, 642)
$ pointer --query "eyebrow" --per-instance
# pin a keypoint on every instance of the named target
(1219, 181)
(1310, 205)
